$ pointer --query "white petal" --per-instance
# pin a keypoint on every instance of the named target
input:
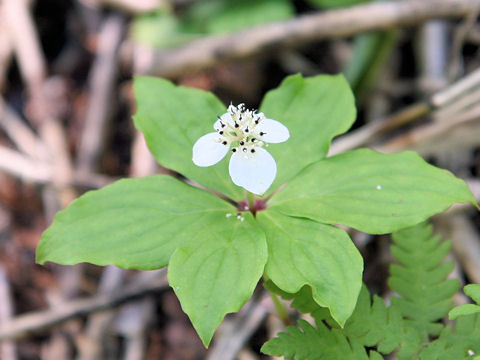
(225, 118)
(208, 150)
(275, 131)
(254, 172)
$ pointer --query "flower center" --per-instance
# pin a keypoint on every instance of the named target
(241, 129)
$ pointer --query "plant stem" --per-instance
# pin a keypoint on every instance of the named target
(251, 201)
(282, 312)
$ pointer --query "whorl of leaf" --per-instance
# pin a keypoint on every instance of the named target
(420, 278)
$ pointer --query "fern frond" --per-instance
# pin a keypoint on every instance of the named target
(309, 343)
(464, 342)
(372, 324)
(420, 278)
(472, 290)
(460, 344)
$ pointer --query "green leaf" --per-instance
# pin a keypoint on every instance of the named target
(219, 16)
(172, 118)
(132, 223)
(308, 343)
(456, 345)
(216, 272)
(302, 300)
(369, 55)
(315, 110)
(373, 192)
(462, 310)
(304, 252)
(336, 3)
(373, 323)
(420, 278)
(472, 290)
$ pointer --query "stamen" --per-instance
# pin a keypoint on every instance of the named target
(244, 149)
(224, 143)
(234, 150)
(252, 151)
(262, 133)
(242, 142)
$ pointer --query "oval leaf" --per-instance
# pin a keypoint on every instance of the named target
(173, 118)
(372, 192)
(217, 271)
(314, 110)
(304, 252)
(132, 223)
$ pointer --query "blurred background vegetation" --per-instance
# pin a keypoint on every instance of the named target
(66, 103)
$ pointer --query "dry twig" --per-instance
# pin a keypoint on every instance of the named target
(212, 50)
(101, 84)
(237, 331)
(23, 325)
(443, 100)
(7, 349)
(21, 135)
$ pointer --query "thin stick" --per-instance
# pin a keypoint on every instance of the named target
(7, 349)
(23, 137)
(23, 325)
(374, 129)
(441, 99)
(5, 50)
(132, 6)
(236, 332)
(427, 132)
(24, 167)
(209, 51)
(101, 84)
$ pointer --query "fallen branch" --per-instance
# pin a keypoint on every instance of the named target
(24, 167)
(212, 50)
(449, 101)
(102, 84)
(23, 325)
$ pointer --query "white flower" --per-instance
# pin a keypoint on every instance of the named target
(245, 132)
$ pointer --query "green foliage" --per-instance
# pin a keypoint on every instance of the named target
(160, 29)
(456, 344)
(309, 343)
(472, 290)
(215, 259)
(419, 278)
(132, 223)
(369, 55)
(220, 16)
(399, 327)
(315, 110)
(172, 118)
(217, 271)
(304, 252)
(373, 192)
(163, 29)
